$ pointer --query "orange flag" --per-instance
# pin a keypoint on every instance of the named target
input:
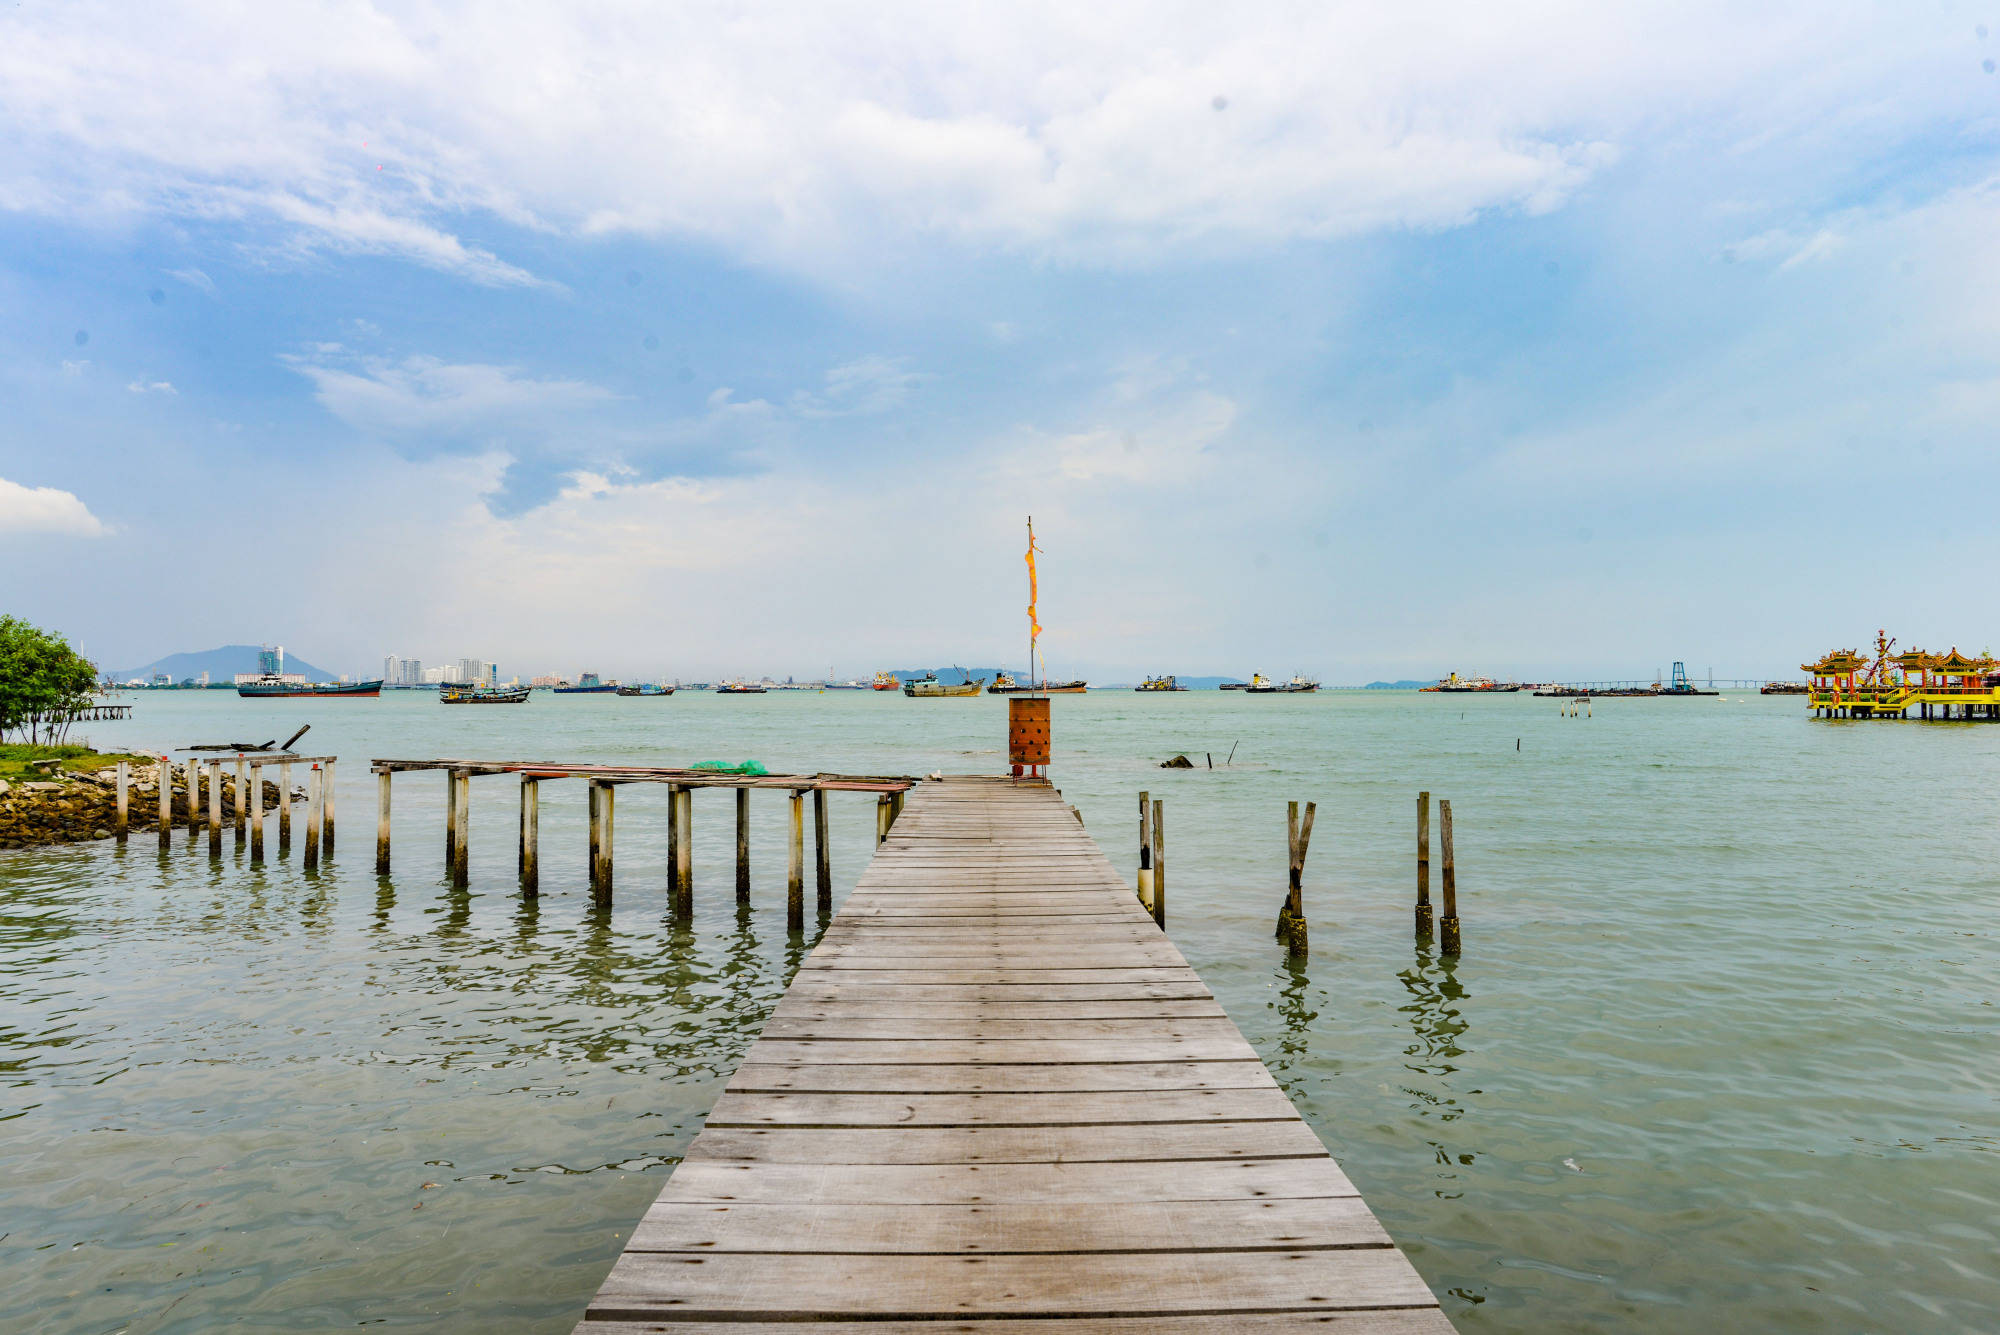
(1034, 595)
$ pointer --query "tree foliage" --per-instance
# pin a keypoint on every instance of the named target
(44, 683)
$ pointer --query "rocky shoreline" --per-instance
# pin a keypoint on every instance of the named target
(71, 808)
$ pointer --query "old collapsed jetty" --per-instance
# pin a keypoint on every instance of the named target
(996, 1096)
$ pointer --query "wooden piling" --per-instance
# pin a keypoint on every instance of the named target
(165, 771)
(124, 791)
(327, 789)
(743, 845)
(214, 769)
(795, 866)
(607, 811)
(382, 823)
(596, 850)
(242, 821)
(1159, 863)
(674, 847)
(451, 821)
(311, 859)
(285, 807)
(1423, 866)
(461, 827)
(257, 813)
(881, 819)
(682, 803)
(1448, 929)
(531, 819)
(896, 807)
(822, 856)
(1292, 928)
(1146, 850)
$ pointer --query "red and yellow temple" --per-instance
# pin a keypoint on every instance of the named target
(1849, 684)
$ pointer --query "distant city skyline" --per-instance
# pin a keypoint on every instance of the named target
(1549, 344)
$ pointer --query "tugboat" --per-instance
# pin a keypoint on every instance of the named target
(588, 684)
(1159, 684)
(930, 688)
(453, 694)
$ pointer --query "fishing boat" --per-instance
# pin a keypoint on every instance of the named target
(645, 690)
(886, 681)
(1159, 684)
(452, 694)
(266, 688)
(1453, 684)
(1234, 685)
(1298, 685)
(588, 684)
(1784, 688)
(741, 688)
(928, 687)
(1006, 685)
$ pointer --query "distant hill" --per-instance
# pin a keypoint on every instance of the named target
(1395, 685)
(220, 665)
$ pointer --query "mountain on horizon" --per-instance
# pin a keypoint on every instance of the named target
(220, 664)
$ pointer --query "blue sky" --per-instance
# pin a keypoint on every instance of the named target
(1564, 341)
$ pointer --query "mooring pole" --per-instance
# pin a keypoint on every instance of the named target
(450, 821)
(311, 861)
(1448, 942)
(596, 844)
(1146, 850)
(461, 828)
(795, 866)
(214, 768)
(1159, 863)
(166, 813)
(243, 803)
(607, 810)
(674, 847)
(382, 782)
(682, 801)
(743, 845)
(124, 789)
(1423, 865)
(530, 858)
(881, 819)
(284, 806)
(822, 856)
(256, 813)
(326, 809)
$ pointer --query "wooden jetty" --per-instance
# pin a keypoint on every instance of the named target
(996, 1099)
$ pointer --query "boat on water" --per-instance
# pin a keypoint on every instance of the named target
(1452, 683)
(1784, 688)
(886, 681)
(645, 690)
(266, 688)
(452, 694)
(1298, 685)
(1159, 684)
(588, 684)
(928, 687)
(741, 688)
(1006, 685)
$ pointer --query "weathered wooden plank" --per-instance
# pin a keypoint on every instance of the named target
(1086, 1284)
(759, 1073)
(981, 1184)
(886, 1003)
(1269, 1225)
(889, 1051)
(847, 1023)
(1073, 1108)
(1385, 1321)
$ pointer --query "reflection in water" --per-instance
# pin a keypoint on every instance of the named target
(1297, 1006)
(385, 901)
(1438, 1027)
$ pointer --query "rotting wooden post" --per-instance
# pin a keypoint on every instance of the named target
(214, 768)
(1423, 866)
(607, 805)
(795, 866)
(461, 831)
(285, 807)
(531, 819)
(674, 847)
(683, 803)
(124, 794)
(822, 855)
(596, 843)
(450, 821)
(243, 802)
(743, 845)
(166, 814)
(257, 813)
(1292, 928)
(896, 808)
(327, 788)
(311, 860)
(881, 819)
(1160, 863)
(1448, 929)
(1146, 850)
(382, 781)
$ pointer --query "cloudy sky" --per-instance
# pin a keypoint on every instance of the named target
(1369, 340)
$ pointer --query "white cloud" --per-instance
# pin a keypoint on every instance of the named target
(76, 367)
(46, 510)
(194, 278)
(824, 134)
(423, 396)
(861, 388)
(152, 387)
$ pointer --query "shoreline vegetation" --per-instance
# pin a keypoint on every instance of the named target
(71, 796)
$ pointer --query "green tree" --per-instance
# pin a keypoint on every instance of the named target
(44, 684)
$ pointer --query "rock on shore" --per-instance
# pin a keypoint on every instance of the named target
(76, 808)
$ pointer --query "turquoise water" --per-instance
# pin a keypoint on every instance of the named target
(1720, 1051)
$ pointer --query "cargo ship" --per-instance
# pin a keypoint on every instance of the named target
(645, 690)
(1298, 685)
(588, 684)
(1159, 684)
(1006, 685)
(886, 681)
(451, 694)
(274, 688)
(928, 687)
(741, 688)
(1455, 684)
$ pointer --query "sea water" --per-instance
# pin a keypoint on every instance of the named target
(1720, 1052)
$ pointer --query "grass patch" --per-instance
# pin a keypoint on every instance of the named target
(16, 759)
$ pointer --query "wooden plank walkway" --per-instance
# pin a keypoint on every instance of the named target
(997, 1099)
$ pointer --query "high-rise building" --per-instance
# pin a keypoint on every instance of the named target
(477, 671)
(271, 661)
(402, 671)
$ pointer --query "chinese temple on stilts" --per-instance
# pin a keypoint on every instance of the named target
(1850, 684)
